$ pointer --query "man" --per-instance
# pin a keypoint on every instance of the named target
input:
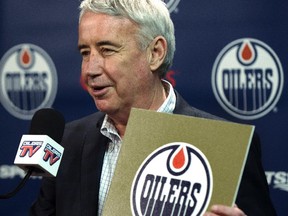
(127, 46)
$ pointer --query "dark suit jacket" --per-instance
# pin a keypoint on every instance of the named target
(74, 192)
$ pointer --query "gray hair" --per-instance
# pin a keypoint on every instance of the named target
(152, 16)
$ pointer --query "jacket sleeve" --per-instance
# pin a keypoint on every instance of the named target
(45, 203)
(253, 195)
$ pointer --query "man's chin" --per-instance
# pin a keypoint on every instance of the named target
(104, 106)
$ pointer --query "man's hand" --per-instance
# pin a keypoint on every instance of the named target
(221, 210)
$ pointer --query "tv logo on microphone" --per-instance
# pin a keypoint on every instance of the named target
(247, 78)
(41, 152)
(51, 154)
(175, 179)
(30, 148)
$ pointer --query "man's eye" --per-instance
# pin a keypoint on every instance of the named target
(84, 53)
(107, 51)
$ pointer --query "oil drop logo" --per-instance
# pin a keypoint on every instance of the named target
(175, 179)
(247, 78)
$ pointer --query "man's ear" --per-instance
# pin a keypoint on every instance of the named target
(157, 52)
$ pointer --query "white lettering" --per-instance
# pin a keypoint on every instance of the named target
(280, 178)
(269, 176)
(12, 171)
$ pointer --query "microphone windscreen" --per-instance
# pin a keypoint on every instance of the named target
(49, 122)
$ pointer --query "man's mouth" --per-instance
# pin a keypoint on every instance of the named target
(99, 91)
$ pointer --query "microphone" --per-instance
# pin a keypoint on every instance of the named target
(40, 152)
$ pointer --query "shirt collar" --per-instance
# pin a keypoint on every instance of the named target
(168, 106)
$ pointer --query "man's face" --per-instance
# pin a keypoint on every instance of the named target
(114, 68)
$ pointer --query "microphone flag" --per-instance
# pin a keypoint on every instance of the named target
(40, 152)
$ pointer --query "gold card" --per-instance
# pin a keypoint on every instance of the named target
(177, 165)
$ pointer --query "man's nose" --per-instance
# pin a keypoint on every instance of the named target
(94, 65)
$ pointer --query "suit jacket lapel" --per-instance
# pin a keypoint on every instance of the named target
(183, 108)
(91, 167)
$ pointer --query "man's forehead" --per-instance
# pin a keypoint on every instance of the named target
(103, 18)
(106, 25)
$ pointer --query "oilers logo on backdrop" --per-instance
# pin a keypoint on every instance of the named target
(171, 5)
(28, 80)
(175, 179)
(247, 78)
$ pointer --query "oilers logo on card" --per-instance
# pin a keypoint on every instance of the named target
(28, 80)
(175, 179)
(247, 78)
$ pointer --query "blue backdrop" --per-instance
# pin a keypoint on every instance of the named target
(231, 60)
